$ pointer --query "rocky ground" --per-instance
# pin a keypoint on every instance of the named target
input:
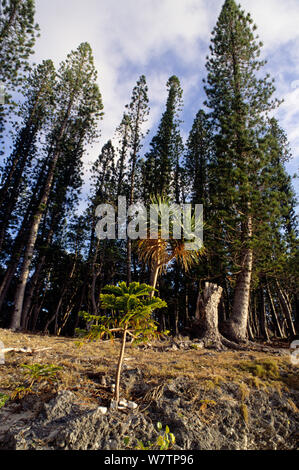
(243, 400)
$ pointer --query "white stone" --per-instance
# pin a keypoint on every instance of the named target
(132, 405)
(103, 409)
(123, 402)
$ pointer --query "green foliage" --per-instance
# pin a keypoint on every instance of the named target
(128, 311)
(18, 32)
(161, 161)
(3, 399)
(263, 369)
(164, 441)
(233, 162)
(127, 307)
(41, 372)
(17, 36)
(20, 392)
(35, 373)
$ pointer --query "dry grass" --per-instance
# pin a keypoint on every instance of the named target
(208, 370)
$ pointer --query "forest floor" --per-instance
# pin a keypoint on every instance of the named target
(88, 370)
(83, 365)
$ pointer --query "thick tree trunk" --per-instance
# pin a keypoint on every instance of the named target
(236, 326)
(207, 316)
(28, 299)
(22, 237)
(19, 296)
(211, 298)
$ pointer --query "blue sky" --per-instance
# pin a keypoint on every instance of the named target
(160, 38)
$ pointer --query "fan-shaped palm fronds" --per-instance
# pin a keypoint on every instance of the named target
(156, 251)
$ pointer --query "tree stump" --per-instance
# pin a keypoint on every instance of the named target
(206, 321)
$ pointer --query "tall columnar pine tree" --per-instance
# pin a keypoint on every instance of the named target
(137, 113)
(197, 158)
(123, 136)
(18, 32)
(104, 189)
(17, 36)
(35, 112)
(277, 229)
(62, 203)
(161, 162)
(277, 218)
(79, 104)
(17, 247)
(239, 102)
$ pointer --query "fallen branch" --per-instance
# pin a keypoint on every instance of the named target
(24, 350)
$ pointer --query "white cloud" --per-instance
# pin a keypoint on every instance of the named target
(277, 20)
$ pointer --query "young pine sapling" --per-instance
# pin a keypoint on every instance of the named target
(128, 311)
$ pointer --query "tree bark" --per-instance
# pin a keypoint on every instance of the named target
(263, 317)
(236, 326)
(209, 314)
(206, 324)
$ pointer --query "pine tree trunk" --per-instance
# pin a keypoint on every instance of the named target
(286, 310)
(22, 237)
(38, 306)
(129, 261)
(94, 279)
(176, 318)
(28, 299)
(55, 315)
(236, 327)
(274, 313)
(263, 317)
(198, 304)
(187, 317)
(19, 296)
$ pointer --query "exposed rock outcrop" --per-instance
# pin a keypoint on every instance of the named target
(212, 420)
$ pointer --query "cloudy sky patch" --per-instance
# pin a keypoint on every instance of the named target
(160, 38)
